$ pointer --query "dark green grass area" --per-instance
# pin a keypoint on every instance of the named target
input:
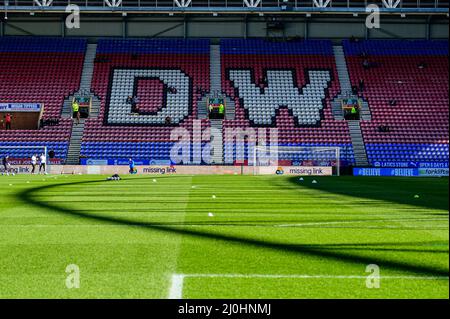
(223, 237)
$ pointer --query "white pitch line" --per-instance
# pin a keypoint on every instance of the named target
(255, 225)
(362, 221)
(176, 287)
(305, 276)
(177, 280)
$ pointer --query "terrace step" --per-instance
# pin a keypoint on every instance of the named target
(73, 154)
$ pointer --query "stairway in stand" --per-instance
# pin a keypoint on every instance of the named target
(73, 155)
(336, 107)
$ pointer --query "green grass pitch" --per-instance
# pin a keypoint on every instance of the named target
(223, 237)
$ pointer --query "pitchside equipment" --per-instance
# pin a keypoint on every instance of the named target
(296, 160)
(20, 157)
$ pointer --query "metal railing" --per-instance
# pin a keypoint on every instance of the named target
(211, 4)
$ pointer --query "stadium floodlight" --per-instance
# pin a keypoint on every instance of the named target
(20, 156)
(182, 3)
(299, 160)
(285, 6)
(6, 9)
(391, 4)
(43, 3)
(321, 3)
(252, 3)
(113, 3)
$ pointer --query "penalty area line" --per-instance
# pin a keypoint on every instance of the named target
(306, 276)
(362, 222)
(177, 280)
(176, 286)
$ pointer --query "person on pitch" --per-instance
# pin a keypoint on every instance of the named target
(132, 166)
(33, 163)
(6, 164)
(42, 163)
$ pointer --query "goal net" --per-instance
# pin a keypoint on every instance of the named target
(296, 160)
(19, 157)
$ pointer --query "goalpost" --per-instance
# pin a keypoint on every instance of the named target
(20, 156)
(267, 159)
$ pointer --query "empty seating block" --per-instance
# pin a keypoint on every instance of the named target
(168, 77)
(40, 70)
(287, 86)
(415, 75)
(25, 150)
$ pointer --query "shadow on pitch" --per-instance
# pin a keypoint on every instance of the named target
(322, 251)
(433, 193)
